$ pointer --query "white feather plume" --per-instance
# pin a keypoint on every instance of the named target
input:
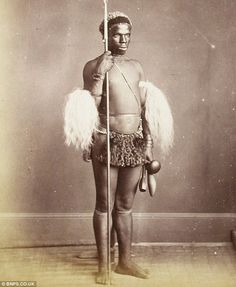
(80, 119)
(158, 115)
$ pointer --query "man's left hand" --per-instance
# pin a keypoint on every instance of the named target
(148, 154)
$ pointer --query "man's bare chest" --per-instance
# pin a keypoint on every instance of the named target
(123, 74)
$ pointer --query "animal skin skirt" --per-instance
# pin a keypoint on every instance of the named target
(127, 150)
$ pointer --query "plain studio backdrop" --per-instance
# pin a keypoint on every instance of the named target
(187, 49)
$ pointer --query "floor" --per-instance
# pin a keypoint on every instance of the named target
(75, 266)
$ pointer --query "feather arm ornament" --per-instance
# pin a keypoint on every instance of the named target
(158, 116)
(80, 119)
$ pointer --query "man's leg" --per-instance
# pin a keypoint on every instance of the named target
(100, 213)
(112, 245)
(126, 189)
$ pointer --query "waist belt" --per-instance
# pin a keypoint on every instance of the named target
(103, 130)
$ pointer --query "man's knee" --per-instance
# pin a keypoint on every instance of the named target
(101, 205)
(123, 204)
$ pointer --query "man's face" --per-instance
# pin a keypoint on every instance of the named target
(119, 38)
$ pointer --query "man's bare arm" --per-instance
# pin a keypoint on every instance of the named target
(94, 86)
(145, 126)
(94, 75)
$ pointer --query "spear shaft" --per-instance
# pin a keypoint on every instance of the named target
(108, 147)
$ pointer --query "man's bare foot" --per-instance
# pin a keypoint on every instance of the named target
(102, 277)
(132, 269)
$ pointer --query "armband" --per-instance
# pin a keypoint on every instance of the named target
(80, 119)
(148, 141)
(98, 77)
(158, 116)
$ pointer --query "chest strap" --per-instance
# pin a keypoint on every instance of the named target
(127, 83)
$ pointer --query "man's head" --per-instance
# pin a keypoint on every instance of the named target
(119, 29)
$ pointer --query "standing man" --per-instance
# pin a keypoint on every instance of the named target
(138, 112)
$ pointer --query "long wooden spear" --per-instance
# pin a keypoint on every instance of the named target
(108, 147)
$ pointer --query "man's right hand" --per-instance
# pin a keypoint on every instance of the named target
(105, 63)
(87, 155)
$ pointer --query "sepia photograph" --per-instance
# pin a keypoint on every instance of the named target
(118, 143)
